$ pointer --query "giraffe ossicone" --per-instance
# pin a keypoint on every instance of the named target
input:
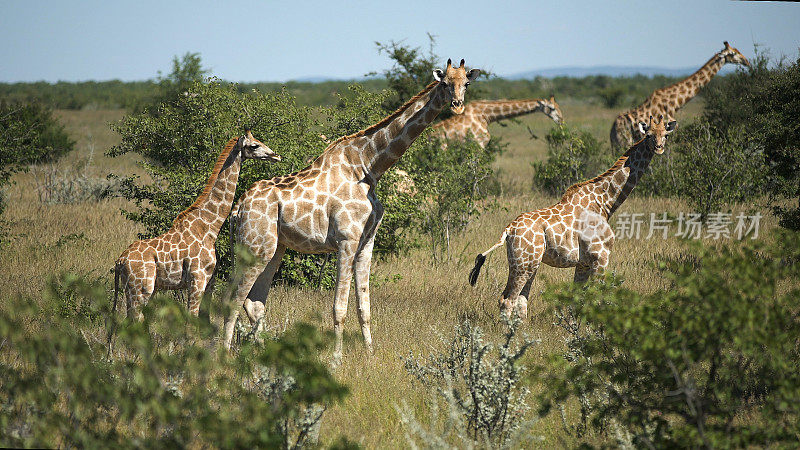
(667, 100)
(575, 231)
(331, 205)
(184, 256)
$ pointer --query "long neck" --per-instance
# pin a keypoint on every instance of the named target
(385, 142)
(687, 89)
(207, 214)
(620, 179)
(493, 111)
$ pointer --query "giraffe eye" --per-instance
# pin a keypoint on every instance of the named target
(466, 84)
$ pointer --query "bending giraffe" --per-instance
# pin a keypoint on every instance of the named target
(479, 114)
(184, 256)
(575, 231)
(331, 206)
(668, 100)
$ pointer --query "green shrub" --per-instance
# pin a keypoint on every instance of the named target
(710, 361)
(158, 383)
(763, 101)
(708, 167)
(573, 155)
(479, 383)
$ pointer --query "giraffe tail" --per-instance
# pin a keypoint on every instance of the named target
(481, 258)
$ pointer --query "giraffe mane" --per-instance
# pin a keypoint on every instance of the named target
(210, 182)
(615, 167)
(386, 120)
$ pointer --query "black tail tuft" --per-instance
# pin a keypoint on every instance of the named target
(473, 274)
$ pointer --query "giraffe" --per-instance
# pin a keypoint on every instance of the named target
(667, 100)
(184, 256)
(331, 206)
(479, 114)
(575, 231)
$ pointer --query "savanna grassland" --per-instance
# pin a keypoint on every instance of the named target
(415, 299)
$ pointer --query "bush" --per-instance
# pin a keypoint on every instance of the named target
(479, 383)
(573, 155)
(709, 362)
(452, 182)
(764, 102)
(151, 384)
(708, 167)
(29, 134)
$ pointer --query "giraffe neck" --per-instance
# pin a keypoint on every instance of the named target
(389, 139)
(620, 179)
(688, 88)
(207, 214)
(492, 111)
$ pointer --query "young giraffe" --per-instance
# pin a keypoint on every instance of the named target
(575, 231)
(479, 114)
(184, 256)
(331, 206)
(667, 100)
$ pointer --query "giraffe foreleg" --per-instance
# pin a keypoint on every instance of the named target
(361, 268)
(346, 256)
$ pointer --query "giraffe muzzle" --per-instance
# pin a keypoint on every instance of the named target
(457, 106)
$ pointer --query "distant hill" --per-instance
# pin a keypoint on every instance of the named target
(612, 71)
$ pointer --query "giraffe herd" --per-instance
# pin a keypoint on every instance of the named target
(331, 206)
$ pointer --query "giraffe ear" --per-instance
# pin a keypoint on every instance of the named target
(438, 75)
(473, 73)
(671, 126)
(643, 127)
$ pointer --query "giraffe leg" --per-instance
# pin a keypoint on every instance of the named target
(517, 278)
(255, 303)
(522, 300)
(140, 283)
(361, 267)
(344, 266)
(247, 280)
(197, 287)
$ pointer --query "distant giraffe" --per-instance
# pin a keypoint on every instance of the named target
(575, 231)
(479, 114)
(331, 206)
(184, 256)
(667, 100)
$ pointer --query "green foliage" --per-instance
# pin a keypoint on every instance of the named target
(452, 182)
(573, 155)
(708, 167)
(479, 382)
(611, 96)
(709, 362)
(182, 140)
(764, 102)
(29, 134)
(186, 71)
(154, 384)
(411, 72)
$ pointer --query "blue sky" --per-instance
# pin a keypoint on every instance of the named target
(281, 40)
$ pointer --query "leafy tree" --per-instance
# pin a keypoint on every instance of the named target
(709, 362)
(155, 384)
(763, 101)
(708, 167)
(29, 134)
(186, 71)
(573, 155)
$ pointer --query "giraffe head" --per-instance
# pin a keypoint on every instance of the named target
(454, 81)
(252, 148)
(656, 131)
(731, 55)
(551, 108)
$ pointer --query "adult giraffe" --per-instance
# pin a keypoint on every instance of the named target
(184, 256)
(479, 114)
(575, 231)
(331, 206)
(667, 100)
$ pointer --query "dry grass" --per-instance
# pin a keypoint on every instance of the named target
(407, 314)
